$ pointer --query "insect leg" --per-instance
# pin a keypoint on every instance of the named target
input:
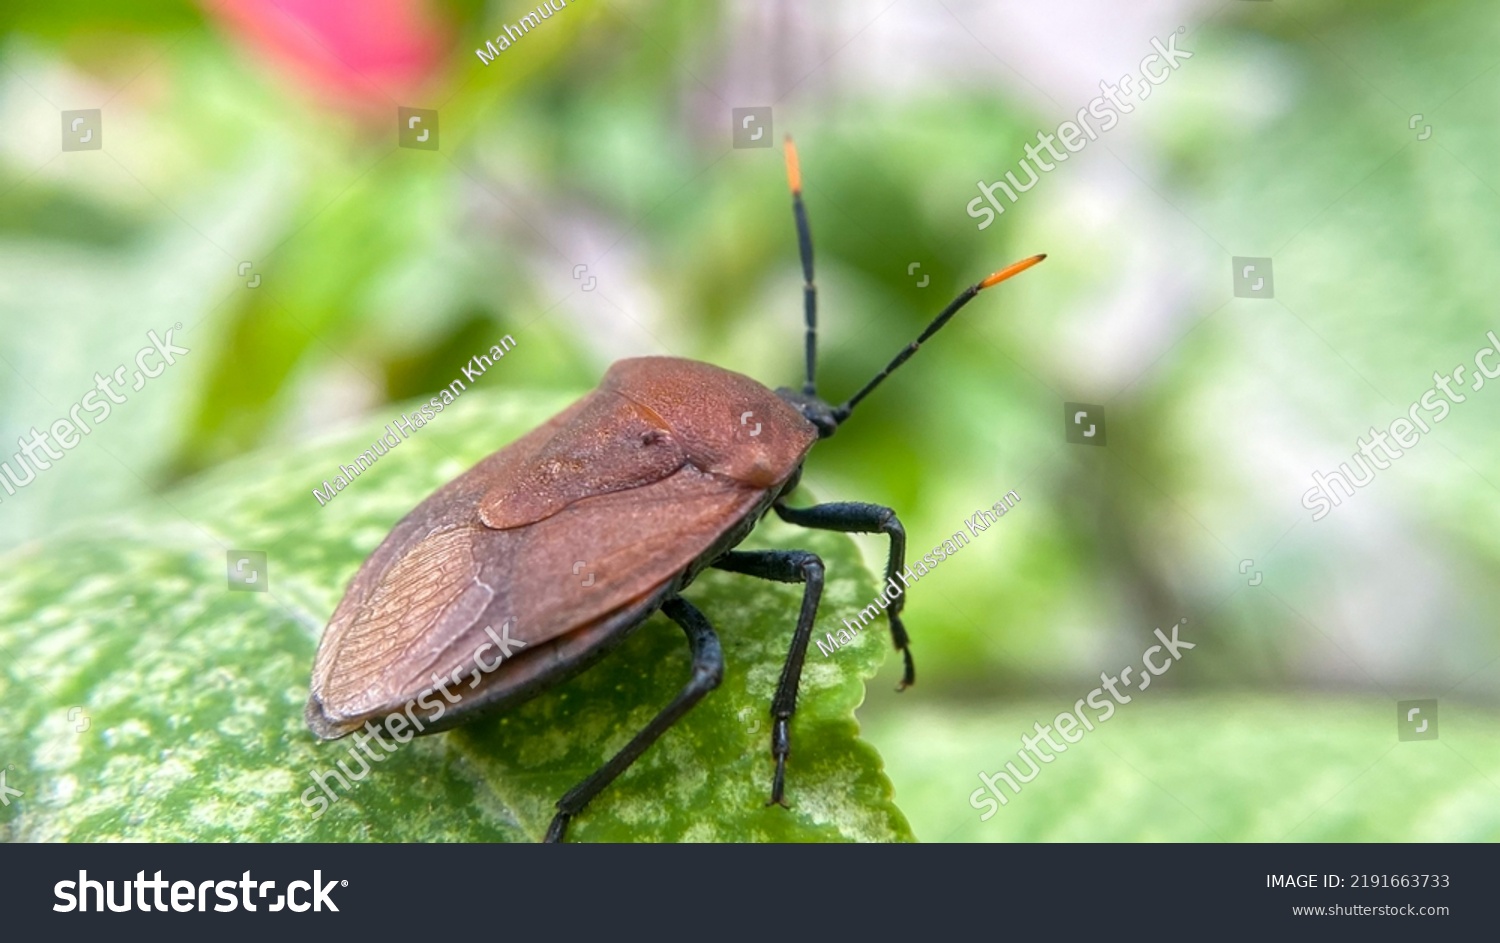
(708, 671)
(853, 517)
(784, 566)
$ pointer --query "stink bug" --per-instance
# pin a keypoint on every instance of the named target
(656, 474)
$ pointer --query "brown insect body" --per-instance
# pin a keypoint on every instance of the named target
(553, 549)
(644, 481)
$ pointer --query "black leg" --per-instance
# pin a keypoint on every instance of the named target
(852, 517)
(784, 566)
(708, 671)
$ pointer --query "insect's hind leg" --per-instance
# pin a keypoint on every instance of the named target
(708, 671)
(853, 517)
(784, 566)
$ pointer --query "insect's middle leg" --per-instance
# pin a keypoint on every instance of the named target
(784, 566)
(853, 517)
(708, 671)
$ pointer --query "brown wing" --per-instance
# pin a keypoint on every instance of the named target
(566, 536)
(408, 587)
(611, 444)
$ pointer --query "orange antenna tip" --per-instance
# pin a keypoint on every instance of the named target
(793, 172)
(1014, 269)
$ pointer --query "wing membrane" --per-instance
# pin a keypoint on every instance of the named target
(612, 445)
(611, 520)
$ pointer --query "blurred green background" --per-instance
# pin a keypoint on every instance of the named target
(265, 132)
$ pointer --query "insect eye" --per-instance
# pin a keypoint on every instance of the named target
(653, 437)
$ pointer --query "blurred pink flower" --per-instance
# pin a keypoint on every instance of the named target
(365, 56)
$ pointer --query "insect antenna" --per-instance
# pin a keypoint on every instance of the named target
(842, 412)
(804, 245)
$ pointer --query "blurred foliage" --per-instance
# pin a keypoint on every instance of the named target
(1225, 768)
(191, 696)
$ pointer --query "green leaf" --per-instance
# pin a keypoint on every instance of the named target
(1238, 767)
(190, 695)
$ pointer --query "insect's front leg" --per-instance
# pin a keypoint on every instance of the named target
(784, 566)
(853, 517)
